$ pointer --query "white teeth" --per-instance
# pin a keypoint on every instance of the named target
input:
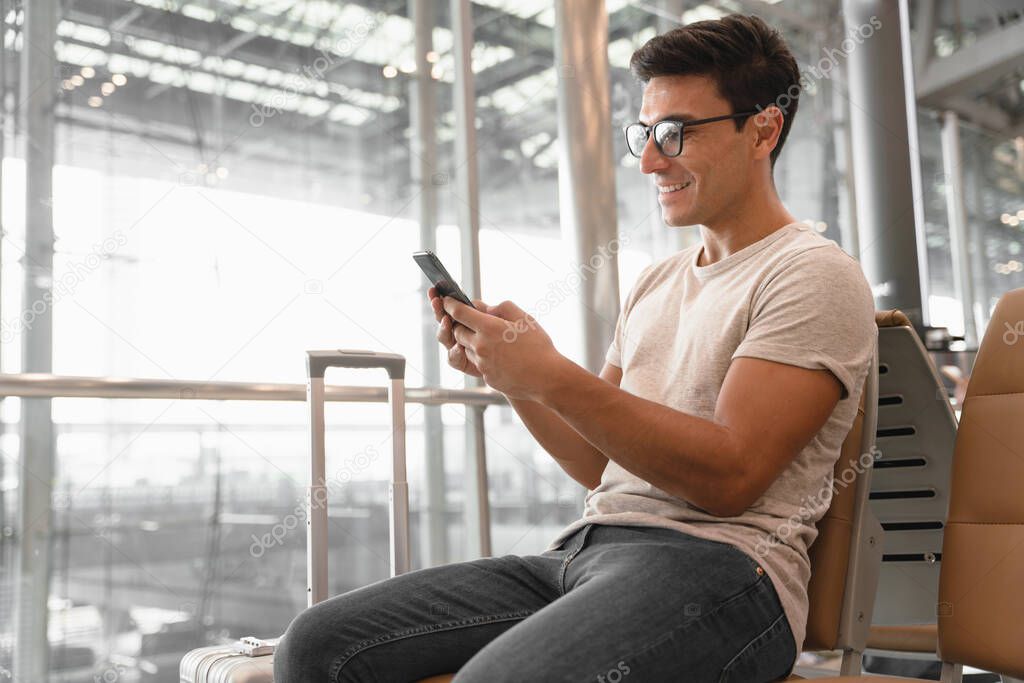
(672, 188)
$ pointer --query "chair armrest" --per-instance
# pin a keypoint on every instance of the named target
(905, 638)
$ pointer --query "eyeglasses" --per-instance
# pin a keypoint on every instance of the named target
(668, 134)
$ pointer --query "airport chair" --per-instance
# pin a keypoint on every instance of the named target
(846, 555)
(916, 429)
(910, 490)
(910, 485)
(980, 600)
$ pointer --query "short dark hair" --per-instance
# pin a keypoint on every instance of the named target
(748, 60)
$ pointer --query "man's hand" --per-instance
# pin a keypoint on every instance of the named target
(507, 346)
(456, 352)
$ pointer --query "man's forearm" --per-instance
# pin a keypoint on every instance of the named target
(683, 455)
(574, 454)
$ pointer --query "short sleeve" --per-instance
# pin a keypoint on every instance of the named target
(815, 311)
(614, 353)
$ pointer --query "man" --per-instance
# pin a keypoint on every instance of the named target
(707, 442)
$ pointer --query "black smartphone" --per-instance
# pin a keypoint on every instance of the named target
(439, 277)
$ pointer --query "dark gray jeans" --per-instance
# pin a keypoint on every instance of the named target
(612, 604)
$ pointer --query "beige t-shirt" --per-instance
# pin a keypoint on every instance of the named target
(793, 297)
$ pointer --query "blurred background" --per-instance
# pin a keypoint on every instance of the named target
(237, 181)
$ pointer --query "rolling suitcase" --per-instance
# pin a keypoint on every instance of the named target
(251, 660)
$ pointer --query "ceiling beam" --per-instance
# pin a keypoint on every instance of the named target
(177, 30)
(981, 113)
(119, 49)
(779, 13)
(924, 49)
(972, 68)
(125, 20)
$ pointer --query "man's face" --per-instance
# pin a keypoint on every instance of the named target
(715, 163)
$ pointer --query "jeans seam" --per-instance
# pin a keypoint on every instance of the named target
(342, 659)
(725, 669)
(569, 558)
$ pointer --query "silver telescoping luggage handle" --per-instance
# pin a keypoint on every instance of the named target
(317, 363)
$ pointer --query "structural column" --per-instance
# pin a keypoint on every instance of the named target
(433, 529)
(952, 169)
(39, 82)
(885, 158)
(467, 205)
(586, 168)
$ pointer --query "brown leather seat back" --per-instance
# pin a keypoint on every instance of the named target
(981, 584)
(830, 552)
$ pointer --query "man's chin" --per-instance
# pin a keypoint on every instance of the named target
(680, 219)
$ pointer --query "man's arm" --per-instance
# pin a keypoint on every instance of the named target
(572, 452)
(580, 459)
(765, 414)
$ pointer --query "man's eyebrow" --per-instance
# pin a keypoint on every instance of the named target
(672, 117)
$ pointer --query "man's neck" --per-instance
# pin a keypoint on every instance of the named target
(741, 229)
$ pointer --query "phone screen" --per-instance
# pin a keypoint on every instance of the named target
(439, 277)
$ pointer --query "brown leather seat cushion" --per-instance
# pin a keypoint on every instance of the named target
(865, 679)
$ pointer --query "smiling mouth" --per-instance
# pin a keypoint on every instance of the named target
(669, 189)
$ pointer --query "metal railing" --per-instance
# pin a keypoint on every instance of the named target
(42, 385)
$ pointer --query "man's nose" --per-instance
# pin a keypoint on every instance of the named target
(651, 159)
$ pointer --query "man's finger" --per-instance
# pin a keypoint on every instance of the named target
(464, 335)
(457, 359)
(467, 315)
(435, 304)
(471, 356)
(444, 332)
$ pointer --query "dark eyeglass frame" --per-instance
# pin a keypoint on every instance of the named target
(682, 125)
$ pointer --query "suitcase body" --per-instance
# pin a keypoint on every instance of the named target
(251, 660)
(225, 664)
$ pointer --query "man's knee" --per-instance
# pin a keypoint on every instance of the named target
(305, 651)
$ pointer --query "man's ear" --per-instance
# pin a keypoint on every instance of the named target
(767, 129)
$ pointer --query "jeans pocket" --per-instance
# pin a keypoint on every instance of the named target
(768, 657)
